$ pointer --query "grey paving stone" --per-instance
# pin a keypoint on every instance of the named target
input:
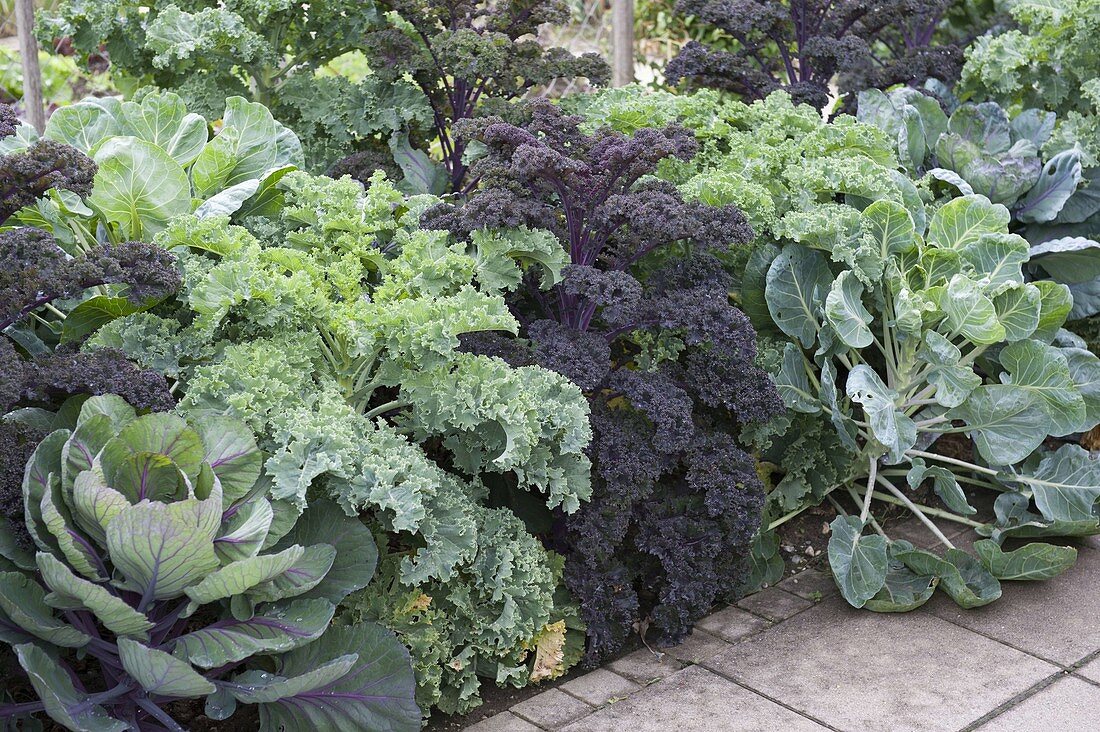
(644, 666)
(732, 624)
(503, 722)
(853, 669)
(600, 686)
(697, 647)
(1055, 620)
(695, 699)
(1091, 670)
(1067, 705)
(774, 604)
(551, 709)
(810, 584)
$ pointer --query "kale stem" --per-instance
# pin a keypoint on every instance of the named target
(874, 524)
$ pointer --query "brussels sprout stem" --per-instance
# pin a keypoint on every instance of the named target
(919, 513)
(872, 473)
(930, 511)
(952, 461)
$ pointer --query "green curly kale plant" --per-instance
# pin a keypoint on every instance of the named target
(980, 149)
(331, 326)
(273, 52)
(157, 564)
(923, 327)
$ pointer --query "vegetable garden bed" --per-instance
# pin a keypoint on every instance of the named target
(349, 382)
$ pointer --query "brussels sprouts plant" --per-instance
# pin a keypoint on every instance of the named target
(159, 575)
(928, 329)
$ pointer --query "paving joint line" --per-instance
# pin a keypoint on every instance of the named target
(1051, 661)
(1015, 701)
(773, 700)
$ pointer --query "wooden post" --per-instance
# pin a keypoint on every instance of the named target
(32, 74)
(622, 42)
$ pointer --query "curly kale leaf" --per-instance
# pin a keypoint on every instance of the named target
(470, 57)
(799, 45)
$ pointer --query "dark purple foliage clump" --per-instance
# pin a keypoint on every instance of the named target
(799, 45)
(34, 271)
(643, 323)
(26, 176)
(468, 56)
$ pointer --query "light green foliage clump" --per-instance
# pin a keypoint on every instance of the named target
(932, 330)
(1049, 62)
(270, 51)
(330, 325)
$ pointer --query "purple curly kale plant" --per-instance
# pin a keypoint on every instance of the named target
(799, 45)
(643, 323)
(26, 176)
(467, 56)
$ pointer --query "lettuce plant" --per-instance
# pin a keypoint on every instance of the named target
(273, 52)
(799, 45)
(331, 326)
(466, 56)
(158, 561)
(642, 322)
(925, 326)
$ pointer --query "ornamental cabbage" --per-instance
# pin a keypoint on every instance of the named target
(155, 561)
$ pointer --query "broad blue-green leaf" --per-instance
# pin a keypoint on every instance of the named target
(231, 451)
(214, 166)
(859, 563)
(1034, 561)
(356, 553)
(94, 503)
(305, 574)
(1006, 422)
(1044, 371)
(95, 312)
(78, 551)
(1018, 310)
(138, 187)
(279, 628)
(943, 482)
(764, 562)
(85, 124)
(1066, 484)
(43, 469)
(1070, 259)
(161, 549)
(375, 693)
(71, 592)
(963, 221)
(1085, 202)
(422, 174)
(81, 448)
(154, 443)
(1055, 305)
(890, 226)
(256, 130)
(952, 178)
(1033, 125)
(161, 118)
(953, 382)
(797, 283)
(240, 576)
(970, 312)
(845, 311)
(904, 590)
(961, 576)
(1084, 369)
(985, 124)
(63, 702)
(1056, 184)
(794, 384)
(879, 403)
(111, 405)
(244, 533)
(160, 673)
(229, 201)
(997, 260)
(22, 601)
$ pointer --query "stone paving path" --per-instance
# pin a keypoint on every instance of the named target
(797, 658)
